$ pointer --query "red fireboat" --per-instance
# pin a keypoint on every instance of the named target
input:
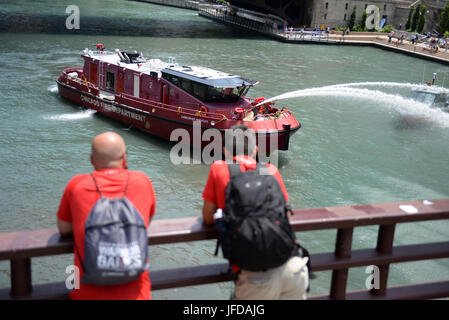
(159, 97)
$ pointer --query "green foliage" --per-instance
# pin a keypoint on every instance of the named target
(421, 20)
(388, 28)
(446, 34)
(352, 19)
(444, 20)
(416, 17)
(362, 25)
(408, 24)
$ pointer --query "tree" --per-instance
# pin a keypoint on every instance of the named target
(444, 20)
(352, 19)
(421, 20)
(408, 24)
(416, 17)
(362, 25)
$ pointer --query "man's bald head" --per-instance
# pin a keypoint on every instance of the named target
(108, 151)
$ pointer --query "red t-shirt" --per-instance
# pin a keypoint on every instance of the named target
(215, 189)
(78, 199)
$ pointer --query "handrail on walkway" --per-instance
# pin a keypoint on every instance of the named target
(20, 247)
(226, 15)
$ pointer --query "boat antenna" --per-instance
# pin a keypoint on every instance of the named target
(424, 70)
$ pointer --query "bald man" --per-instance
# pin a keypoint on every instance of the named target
(109, 159)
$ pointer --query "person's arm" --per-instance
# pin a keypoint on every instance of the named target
(210, 197)
(65, 228)
(64, 215)
(209, 209)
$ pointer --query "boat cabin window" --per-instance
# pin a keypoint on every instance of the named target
(207, 93)
(442, 99)
(110, 81)
(424, 97)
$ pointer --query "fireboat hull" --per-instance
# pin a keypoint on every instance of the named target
(158, 120)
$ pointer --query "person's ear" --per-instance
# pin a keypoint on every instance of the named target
(125, 161)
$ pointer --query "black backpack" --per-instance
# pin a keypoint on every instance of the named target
(254, 232)
(115, 242)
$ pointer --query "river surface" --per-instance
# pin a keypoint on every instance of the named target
(357, 144)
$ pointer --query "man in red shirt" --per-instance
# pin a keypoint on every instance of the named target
(290, 280)
(109, 160)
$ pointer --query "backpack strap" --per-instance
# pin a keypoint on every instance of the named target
(77, 252)
(98, 188)
(234, 169)
(127, 183)
(96, 185)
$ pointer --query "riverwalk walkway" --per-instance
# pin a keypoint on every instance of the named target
(185, 4)
(380, 40)
(264, 25)
(272, 27)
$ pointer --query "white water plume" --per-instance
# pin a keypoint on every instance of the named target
(72, 116)
(347, 92)
(53, 88)
(403, 105)
(385, 84)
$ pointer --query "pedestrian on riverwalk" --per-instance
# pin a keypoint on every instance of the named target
(289, 278)
(112, 179)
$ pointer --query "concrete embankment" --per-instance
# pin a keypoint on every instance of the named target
(374, 39)
(420, 50)
(186, 4)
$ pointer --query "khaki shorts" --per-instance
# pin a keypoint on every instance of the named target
(287, 282)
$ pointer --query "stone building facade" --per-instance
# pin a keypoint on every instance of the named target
(434, 9)
(337, 13)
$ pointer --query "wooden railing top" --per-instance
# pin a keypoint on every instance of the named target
(23, 244)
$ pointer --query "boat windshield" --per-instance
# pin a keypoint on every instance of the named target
(424, 97)
(207, 93)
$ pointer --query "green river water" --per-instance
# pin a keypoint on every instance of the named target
(354, 146)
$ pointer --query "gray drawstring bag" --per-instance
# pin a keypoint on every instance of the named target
(115, 242)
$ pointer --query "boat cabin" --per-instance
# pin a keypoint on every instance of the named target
(170, 83)
(432, 98)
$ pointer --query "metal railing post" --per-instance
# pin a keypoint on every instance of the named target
(385, 240)
(343, 246)
(20, 277)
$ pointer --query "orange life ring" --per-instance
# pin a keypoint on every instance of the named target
(203, 111)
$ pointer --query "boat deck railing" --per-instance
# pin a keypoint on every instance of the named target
(82, 81)
(21, 247)
(181, 110)
(195, 110)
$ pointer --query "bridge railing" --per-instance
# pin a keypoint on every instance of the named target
(225, 14)
(20, 247)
